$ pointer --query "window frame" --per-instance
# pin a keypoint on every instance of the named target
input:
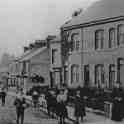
(75, 73)
(100, 73)
(119, 34)
(112, 43)
(53, 55)
(111, 70)
(86, 72)
(75, 43)
(99, 42)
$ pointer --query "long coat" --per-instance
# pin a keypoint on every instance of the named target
(79, 107)
(61, 106)
(20, 105)
(117, 108)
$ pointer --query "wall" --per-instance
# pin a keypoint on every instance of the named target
(75, 58)
(40, 64)
(106, 56)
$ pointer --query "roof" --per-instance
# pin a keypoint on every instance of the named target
(56, 39)
(24, 54)
(32, 53)
(99, 10)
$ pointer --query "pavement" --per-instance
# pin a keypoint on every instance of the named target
(8, 115)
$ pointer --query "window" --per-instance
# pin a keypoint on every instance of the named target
(86, 75)
(99, 39)
(74, 73)
(24, 68)
(111, 75)
(77, 45)
(75, 42)
(120, 34)
(112, 38)
(99, 75)
(54, 51)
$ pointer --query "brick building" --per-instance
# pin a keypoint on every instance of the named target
(96, 57)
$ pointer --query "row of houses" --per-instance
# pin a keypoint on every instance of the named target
(88, 51)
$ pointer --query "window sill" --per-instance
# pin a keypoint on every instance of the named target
(74, 52)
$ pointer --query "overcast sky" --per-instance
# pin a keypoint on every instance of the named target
(22, 21)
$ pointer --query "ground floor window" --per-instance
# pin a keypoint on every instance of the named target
(74, 73)
(111, 75)
(86, 75)
(99, 75)
(57, 77)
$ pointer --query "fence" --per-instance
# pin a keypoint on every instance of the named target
(70, 107)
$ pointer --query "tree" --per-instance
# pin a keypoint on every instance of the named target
(77, 12)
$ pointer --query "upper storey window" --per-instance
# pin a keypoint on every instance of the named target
(75, 42)
(54, 56)
(99, 39)
(120, 34)
(112, 38)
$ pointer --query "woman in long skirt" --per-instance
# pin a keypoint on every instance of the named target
(61, 107)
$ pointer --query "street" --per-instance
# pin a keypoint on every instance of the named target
(8, 115)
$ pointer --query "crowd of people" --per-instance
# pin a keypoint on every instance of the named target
(57, 103)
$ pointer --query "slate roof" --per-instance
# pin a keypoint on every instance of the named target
(99, 10)
(56, 39)
(32, 54)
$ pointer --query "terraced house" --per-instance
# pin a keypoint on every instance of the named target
(95, 40)
(55, 61)
(31, 68)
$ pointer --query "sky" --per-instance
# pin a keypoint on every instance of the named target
(23, 21)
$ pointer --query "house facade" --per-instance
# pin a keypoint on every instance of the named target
(71, 57)
(55, 62)
(35, 62)
(99, 31)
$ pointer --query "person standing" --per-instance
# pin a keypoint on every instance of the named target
(61, 107)
(48, 99)
(35, 99)
(117, 107)
(20, 104)
(79, 107)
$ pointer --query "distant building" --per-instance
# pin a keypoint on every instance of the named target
(13, 71)
(96, 56)
(35, 62)
(4, 76)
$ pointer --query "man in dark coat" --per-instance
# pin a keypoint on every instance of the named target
(79, 107)
(117, 107)
(20, 104)
(61, 106)
(48, 99)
